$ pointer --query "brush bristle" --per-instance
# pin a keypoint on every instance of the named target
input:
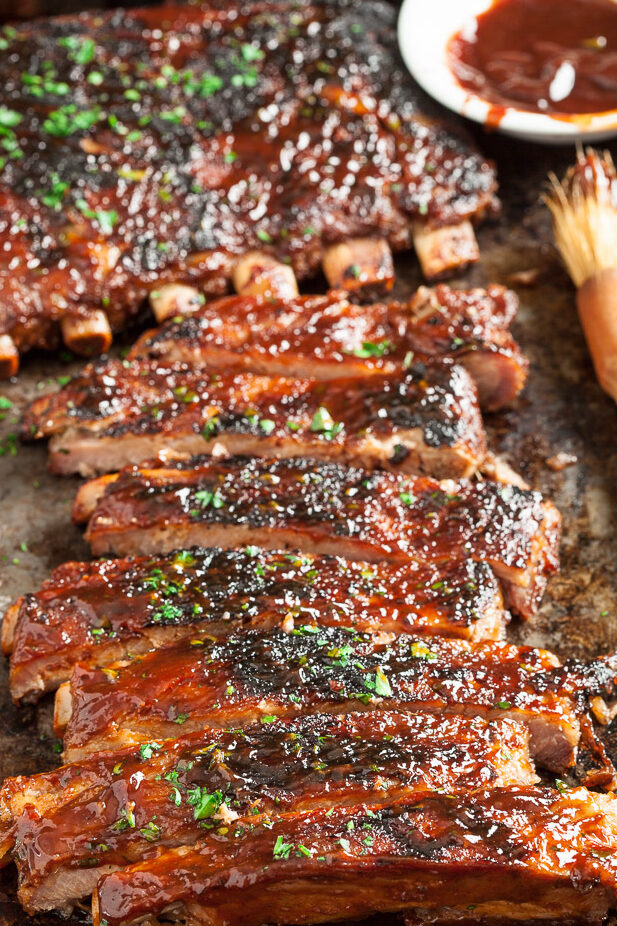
(584, 210)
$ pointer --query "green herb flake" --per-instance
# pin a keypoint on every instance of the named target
(106, 219)
(205, 498)
(281, 848)
(150, 831)
(9, 117)
(323, 423)
(408, 498)
(147, 750)
(373, 349)
(203, 803)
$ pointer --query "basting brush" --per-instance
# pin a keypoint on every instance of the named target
(584, 210)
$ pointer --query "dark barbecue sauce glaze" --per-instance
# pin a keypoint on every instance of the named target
(159, 144)
(541, 56)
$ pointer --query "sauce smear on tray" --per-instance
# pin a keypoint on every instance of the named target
(541, 56)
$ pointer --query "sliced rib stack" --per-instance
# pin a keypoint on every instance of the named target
(292, 700)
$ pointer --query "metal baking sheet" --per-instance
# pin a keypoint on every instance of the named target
(562, 410)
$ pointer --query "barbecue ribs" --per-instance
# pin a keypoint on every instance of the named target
(175, 791)
(96, 613)
(424, 419)
(325, 508)
(513, 855)
(164, 144)
(253, 674)
(326, 337)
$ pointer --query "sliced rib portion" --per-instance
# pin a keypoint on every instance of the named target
(328, 336)
(121, 806)
(420, 420)
(325, 508)
(96, 613)
(252, 674)
(518, 855)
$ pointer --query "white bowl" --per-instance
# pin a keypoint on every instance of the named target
(424, 30)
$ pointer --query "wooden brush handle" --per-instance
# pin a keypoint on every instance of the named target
(597, 308)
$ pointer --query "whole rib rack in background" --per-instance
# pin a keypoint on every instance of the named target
(164, 144)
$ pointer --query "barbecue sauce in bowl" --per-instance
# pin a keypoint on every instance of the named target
(542, 56)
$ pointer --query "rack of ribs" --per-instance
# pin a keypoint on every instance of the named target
(198, 144)
(325, 508)
(325, 337)
(423, 419)
(116, 808)
(97, 613)
(503, 854)
(252, 674)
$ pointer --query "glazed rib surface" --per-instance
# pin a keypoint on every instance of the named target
(252, 674)
(425, 419)
(96, 613)
(122, 806)
(521, 854)
(326, 508)
(328, 336)
(161, 144)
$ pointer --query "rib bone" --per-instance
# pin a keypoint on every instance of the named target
(174, 299)
(9, 357)
(446, 250)
(359, 264)
(259, 274)
(87, 335)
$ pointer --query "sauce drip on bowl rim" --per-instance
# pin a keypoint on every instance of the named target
(540, 56)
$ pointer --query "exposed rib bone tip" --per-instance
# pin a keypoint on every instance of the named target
(9, 357)
(359, 264)
(259, 274)
(175, 299)
(444, 251)
(87, 335)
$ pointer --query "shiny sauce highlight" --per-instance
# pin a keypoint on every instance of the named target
(541, 56)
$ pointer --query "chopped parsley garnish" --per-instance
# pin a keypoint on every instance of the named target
(67, 119)
(422, 651)
(210, 428)
(53, 197)
(150, 831)
(205, 498)
(373, 349)
(251, 53)
(203, 803)
(106, 219)
(147, 750)
(167, 612)
(324, 424)
(379, 684)
(9, 117)
(125, 821)
(281, 848)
